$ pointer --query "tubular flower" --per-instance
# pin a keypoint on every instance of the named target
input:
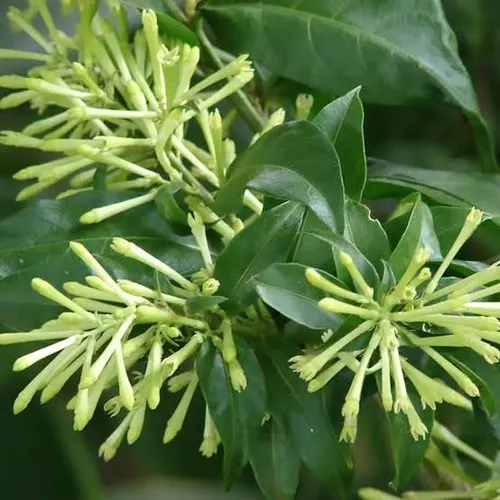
(489, 490)
(108, 327)
(418, 312)
(124, 106)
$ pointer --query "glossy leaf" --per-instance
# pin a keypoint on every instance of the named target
(341, 244)
(398, 51)
(311, 251)
(195, 305)
(35, 242)
(167, 25)
(408, 453)
(366, 233)
(342, 122)
(275, 464)
(237, 416)
(167, 205)
(285, 288)
(268, 240)
(416, 218)
(388, 280)
(293, 161)
(451, 188)
(448, 222)
(482, 373)
(304, 418)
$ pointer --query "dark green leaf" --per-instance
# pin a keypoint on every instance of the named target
(416, 218)
(342, 122)
(311, 251)
(168, 26)
(451, 188)
(305, 420)
(482, 373)
(448, 222)
(398, 51)
(237, 416)
(285, 288)
(195, 305)
(408, 453)
(268, 240)
(34, 243)
(348, 325)
(167, 205)
(388, 279)
(294, 161)
(366, 234)
(275, 464)
(363, 264)
(171, 28)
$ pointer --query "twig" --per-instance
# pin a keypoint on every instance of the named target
(239, 99)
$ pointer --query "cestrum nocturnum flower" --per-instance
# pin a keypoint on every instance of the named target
(420, 311)
(108, 327)
(124, 106)
(440, 433)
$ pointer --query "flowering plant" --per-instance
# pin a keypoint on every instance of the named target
(247, 274)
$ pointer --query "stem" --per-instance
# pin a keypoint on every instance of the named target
(176, 11)
(239, 98)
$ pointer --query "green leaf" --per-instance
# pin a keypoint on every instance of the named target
(237, 416)
(156, 5)
(408, 453)
(304, 418)
(34, 243)
(293, 161)
(275, 464)
(482, 373)
(311, 251)
(398, 51)
(448, 221)
(450, 188)
(195, 305)
(285, 288)
(415, 217)
(388, 280)
(268, 240)
(167, 25)
(363, 264)
(366, 234)
(342, 122)
(167, 206)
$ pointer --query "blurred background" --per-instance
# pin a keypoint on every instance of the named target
(40, 455)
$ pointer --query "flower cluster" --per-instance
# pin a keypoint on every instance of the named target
(124, 107)
(108, 327)
(420, 311)
(441, 436)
